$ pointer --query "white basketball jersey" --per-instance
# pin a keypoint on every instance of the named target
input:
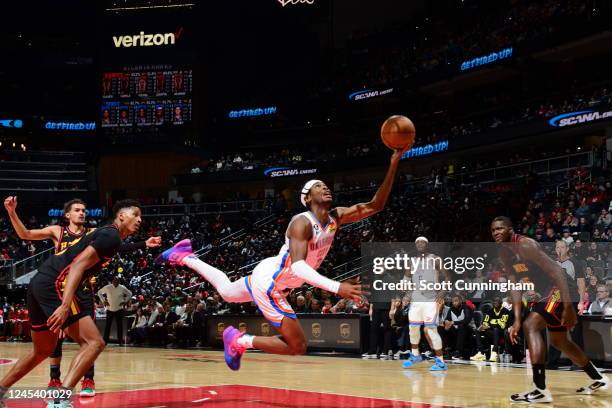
(318, 247)
(424, 270)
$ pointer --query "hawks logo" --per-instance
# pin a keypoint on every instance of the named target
(332, 227)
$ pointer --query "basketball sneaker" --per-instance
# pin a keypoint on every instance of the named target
(412, 360)
(597, 385)
(176, 254)
(478, 357)
(493, 357)
(88, 388)
(232, 350)
(54, 383)
(534, 396)
(439, 365)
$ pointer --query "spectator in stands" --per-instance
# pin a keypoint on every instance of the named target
(492, 331)
(137, 332)
(315, 306)
(602, 303)
(301, 305)
(591, 289)
(605, 219)
(457, 326)
(115, 297)
(184, 327)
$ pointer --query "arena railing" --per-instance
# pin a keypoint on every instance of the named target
(24, 266)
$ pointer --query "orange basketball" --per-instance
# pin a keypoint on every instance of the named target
(398, 132)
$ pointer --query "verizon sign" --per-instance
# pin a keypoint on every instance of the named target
(147, 40)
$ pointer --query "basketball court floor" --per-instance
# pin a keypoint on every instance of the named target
(164, 378)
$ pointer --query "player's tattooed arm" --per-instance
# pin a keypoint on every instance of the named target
(357, 212)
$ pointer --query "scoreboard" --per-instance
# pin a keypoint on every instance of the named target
(146, 98)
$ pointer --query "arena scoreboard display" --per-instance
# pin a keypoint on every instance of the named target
(146, 98)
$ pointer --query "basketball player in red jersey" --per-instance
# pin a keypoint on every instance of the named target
(524, 260)
(62, 238)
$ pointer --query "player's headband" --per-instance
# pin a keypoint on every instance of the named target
(421, 239)
(306, 190)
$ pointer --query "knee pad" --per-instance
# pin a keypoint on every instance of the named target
(415, 334)
(436, 341)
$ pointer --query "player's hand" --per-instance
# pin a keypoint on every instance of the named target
(350, 289)
(514, 331)
(397, 155)
(568, 317)
(10, 203)
(57, 319)
(153, 242)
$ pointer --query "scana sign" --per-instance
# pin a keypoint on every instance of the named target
(251, 113)
(369, 93)
(487, 59)
(70, 125)
(426, 150)
(287, 171)
(90, 212)
(576, 118)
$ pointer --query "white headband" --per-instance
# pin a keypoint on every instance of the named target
(306, 190)
(421, 239)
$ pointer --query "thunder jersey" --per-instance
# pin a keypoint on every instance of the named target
(318, 247)
(425, 271)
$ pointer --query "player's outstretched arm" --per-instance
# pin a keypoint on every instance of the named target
(52, 232)
(360, 211)
(299, 233)
(87, 259)
(152, 242)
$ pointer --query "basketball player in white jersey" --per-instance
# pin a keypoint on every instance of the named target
(425, 305)
(308, 238)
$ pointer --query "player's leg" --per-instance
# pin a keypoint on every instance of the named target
(430, 324)
(561, 341)
(532, 327)
(93, 345)
(182, 254)
(44, 342)
(88, 386)
(415, 319)
(55, 361)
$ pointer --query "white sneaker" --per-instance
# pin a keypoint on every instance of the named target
(367, 356)
(493, 357)
(535, 396)
(478, 357)
(596, 386)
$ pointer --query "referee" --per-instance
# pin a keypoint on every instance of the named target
(114, 297)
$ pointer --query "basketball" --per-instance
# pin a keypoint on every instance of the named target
(397, 132)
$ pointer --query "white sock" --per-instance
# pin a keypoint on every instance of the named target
(246, 341)
(415, 352)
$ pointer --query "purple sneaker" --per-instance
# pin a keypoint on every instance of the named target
(233, 352)
(176, 254)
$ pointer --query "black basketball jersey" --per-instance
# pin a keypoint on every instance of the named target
(69, 238)
(524, 270)
(105, 240)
